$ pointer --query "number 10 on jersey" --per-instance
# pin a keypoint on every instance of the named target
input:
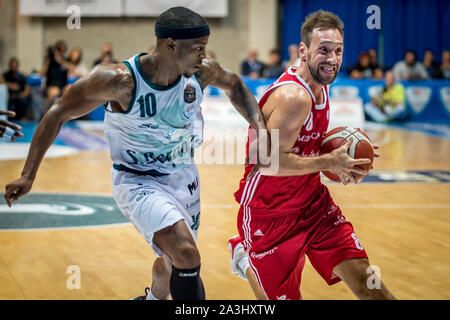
(147, 105)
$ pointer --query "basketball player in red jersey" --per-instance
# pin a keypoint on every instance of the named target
(286, 215)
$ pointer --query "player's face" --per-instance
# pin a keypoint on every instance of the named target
(324, 55)
(190, 55)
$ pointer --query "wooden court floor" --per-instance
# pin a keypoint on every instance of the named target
(405, 229)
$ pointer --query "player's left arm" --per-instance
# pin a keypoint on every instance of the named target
(212, 73)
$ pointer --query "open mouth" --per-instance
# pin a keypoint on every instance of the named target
(327, 69)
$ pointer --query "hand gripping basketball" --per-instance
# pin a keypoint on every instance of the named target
(352, 154)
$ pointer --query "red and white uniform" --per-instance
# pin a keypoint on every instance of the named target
(282, 219)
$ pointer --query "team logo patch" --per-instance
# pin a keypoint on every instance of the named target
(445, 96)
(189, 94)
(418, 98)
(50, 211)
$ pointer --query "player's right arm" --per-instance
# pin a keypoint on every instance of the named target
(111, 83)
(286, 110)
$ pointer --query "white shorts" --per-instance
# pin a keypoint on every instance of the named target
(154, 203)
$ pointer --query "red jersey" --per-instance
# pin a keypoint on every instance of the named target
(268, 195)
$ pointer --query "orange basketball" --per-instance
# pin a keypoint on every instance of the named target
(360, 148)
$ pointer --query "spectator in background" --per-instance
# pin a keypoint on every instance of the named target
(273, 69)
(373, 58)
(106, 49)
(376, 69)
(77, 68)
(55, 71)
(365, 69)
(294, 59)
(409, 68)
(445, 66)
(389, 104)
(106, 60)
(430, 65)
(19, 92)
(252, 67)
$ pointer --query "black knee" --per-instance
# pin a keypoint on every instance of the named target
(186, 284)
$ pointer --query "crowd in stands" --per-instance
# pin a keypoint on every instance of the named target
(389, 104)
(407, 69)
(60, 69)
(58, 72)
(253, 68)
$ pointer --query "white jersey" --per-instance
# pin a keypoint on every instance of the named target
(161, 127)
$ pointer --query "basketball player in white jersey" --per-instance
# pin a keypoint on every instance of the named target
(153, 122)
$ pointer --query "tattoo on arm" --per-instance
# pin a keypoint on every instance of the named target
(246, 104)
(122, 88)
(238, 93)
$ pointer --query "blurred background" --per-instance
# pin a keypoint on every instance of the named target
(256, 38)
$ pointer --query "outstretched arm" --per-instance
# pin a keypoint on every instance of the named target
(112, 83)
(212, 73)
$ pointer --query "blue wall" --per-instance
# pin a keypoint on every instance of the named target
(405, 24)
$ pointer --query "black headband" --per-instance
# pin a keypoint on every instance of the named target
(181, 32)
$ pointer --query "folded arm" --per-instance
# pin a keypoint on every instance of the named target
(286, 110)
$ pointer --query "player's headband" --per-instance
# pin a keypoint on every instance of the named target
(181, 32)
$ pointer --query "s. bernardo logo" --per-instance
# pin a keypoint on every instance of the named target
(49, 211)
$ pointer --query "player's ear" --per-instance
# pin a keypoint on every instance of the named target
(171, 45)
(302, 51)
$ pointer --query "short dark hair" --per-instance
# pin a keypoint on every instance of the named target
(60, 43)
(320, 19)
(180, 17)
(13, 59)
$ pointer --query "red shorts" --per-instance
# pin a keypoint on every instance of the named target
(277, 245)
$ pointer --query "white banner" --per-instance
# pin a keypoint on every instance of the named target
(59, 8)
(346, 112)
(117, 8)
(153, 8)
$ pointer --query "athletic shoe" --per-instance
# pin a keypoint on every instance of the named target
(143, 297)
(237, 252)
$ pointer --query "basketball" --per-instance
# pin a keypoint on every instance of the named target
(360, 148)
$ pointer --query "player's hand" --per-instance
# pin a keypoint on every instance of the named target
(17, 189)
(375, 154)
(262, 139)
(343, 165)
(8, 130)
